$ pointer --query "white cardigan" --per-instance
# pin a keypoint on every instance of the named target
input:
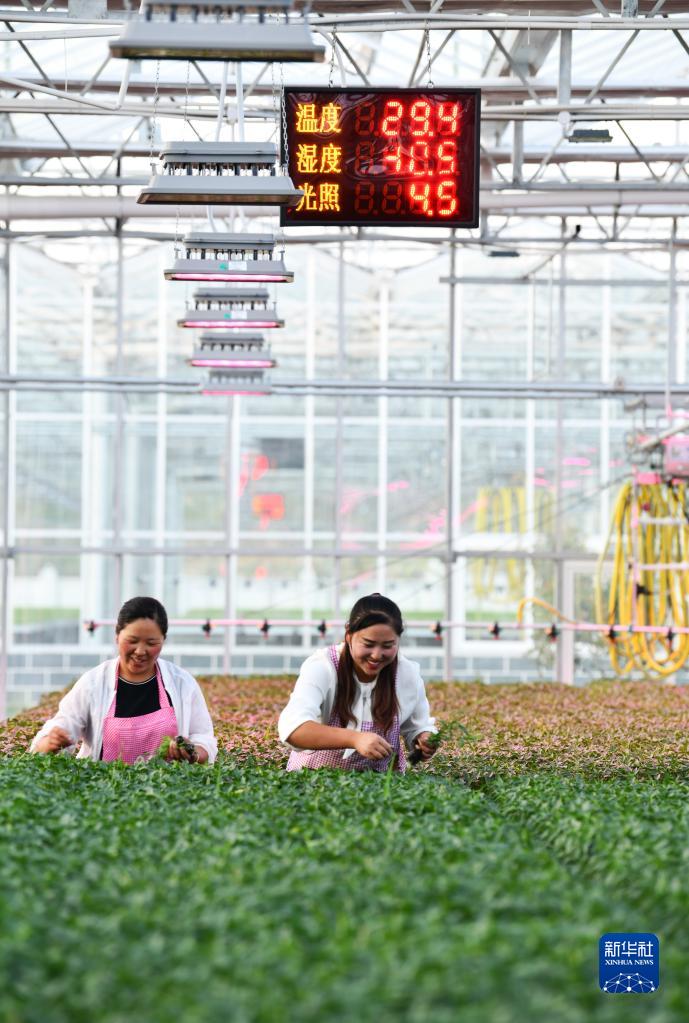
(314, 694)
(82, 710)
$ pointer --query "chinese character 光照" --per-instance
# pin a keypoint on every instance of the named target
(329, 196)
(308, 199)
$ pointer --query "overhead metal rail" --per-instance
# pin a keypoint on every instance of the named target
(504, 88)
(521, 389)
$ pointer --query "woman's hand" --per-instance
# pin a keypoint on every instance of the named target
(427, 748)
(56, 740)
(186, 751)
(371, 746)
(179, 751)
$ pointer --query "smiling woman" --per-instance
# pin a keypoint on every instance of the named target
(124, 708)
(352, 705)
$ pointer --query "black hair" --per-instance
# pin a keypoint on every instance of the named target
(141, 607)
(374, 609)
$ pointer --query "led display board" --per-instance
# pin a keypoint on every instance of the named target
(383, 156)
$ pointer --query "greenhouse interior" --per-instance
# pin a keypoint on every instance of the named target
(303, 303)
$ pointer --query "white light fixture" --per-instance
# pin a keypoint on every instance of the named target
(231, 308)
(224, 173)
(229, 257)
(589, 135)
(234, 382)
(218, 30)
(237, 350)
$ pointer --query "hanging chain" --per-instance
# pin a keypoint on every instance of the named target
(153, 120)
(178, 209)
(285, 146)
(429, 59)
(186, 95)
(331, 76)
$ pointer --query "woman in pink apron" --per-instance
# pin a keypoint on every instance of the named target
(356, 706)
(125, 707)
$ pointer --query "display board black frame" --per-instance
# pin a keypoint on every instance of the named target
(382, 156)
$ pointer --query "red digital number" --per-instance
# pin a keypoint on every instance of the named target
(364, 157)
(418, 159)
(392, 118)
(447, 198)
(420, 198)
(447, 158)
(392, 197)
(448, 118)
(420, 115)
(363, 197)
(393, 158)
(364, 118)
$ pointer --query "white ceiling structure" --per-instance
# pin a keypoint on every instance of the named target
(78, 128)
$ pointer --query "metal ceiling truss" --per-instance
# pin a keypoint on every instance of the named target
(519, 178)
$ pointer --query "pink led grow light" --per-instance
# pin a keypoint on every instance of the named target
(230, 324)
(229, 276)
(227, 362)
(228, 393)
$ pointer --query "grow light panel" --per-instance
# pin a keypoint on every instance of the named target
(231, 308)
(236, 382)
(229, 257)
(225, 173)
(218, 30)
(233, 351)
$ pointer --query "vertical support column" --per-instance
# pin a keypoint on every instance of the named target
(309, 587)
(564, 82)
(8, 489)
(233, 422)
(89, 607)
(530, 456)
(450, 469)
(564, 649)
(517, 151)
(671, 371)
(383, 403)
(606, 375)
(161, 434)
(118, 447)
(565, 642)
(339, 427)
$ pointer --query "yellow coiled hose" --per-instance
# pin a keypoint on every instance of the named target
(655, 596)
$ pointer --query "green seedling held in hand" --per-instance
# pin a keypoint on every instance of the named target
(447, 730)
(181, 743)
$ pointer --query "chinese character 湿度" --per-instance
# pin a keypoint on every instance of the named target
(307, 159)
(331, 159)
(329, 196)
(308, 200)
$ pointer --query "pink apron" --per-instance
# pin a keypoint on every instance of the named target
(128, 739)
(299, 759)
